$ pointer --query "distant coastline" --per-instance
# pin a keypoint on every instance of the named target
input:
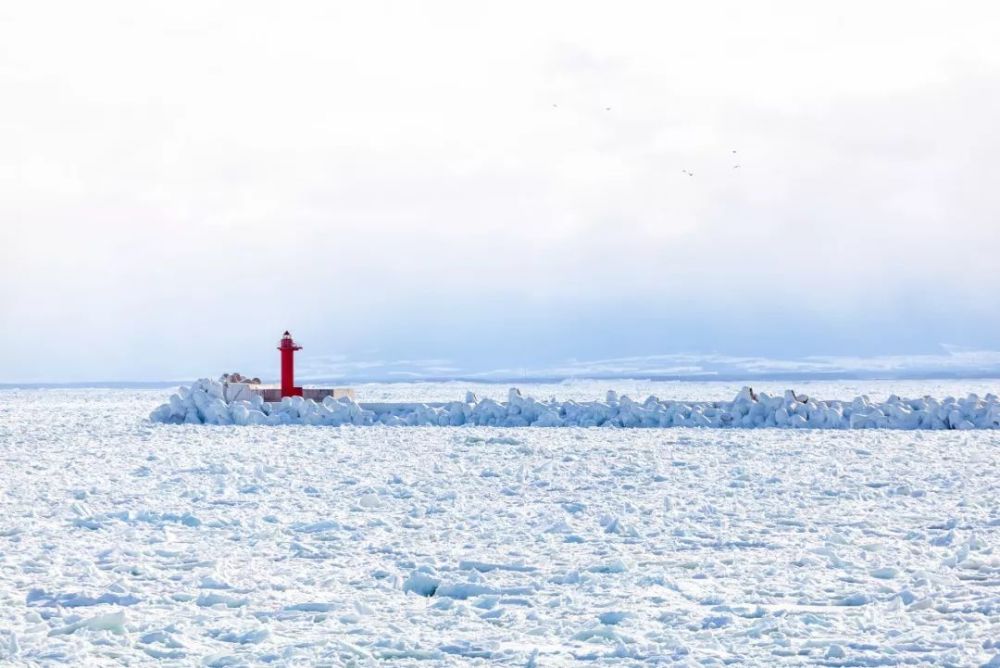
(514, 380)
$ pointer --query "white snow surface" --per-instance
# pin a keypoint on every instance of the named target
(124, 541)
(203, 403)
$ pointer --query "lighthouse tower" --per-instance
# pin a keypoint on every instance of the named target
(288, 347)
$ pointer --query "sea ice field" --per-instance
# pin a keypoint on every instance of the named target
(125, 541)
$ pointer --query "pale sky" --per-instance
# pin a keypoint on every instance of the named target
(459, 188)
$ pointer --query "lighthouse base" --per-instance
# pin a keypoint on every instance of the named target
(316, 394)
(246, 391)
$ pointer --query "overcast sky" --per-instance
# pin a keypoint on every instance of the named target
(450, 188)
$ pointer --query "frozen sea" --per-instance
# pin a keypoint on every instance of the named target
(128, 542)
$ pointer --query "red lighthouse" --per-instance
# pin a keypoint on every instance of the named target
(288, 347)
(236, 387)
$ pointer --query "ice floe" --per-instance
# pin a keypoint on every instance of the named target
(126, 542)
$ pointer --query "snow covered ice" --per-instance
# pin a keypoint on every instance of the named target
(127, 541)
(204, 403)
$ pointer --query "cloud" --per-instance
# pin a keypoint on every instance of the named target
(497, 187)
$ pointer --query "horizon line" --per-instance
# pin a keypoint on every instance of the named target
(539, 379)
